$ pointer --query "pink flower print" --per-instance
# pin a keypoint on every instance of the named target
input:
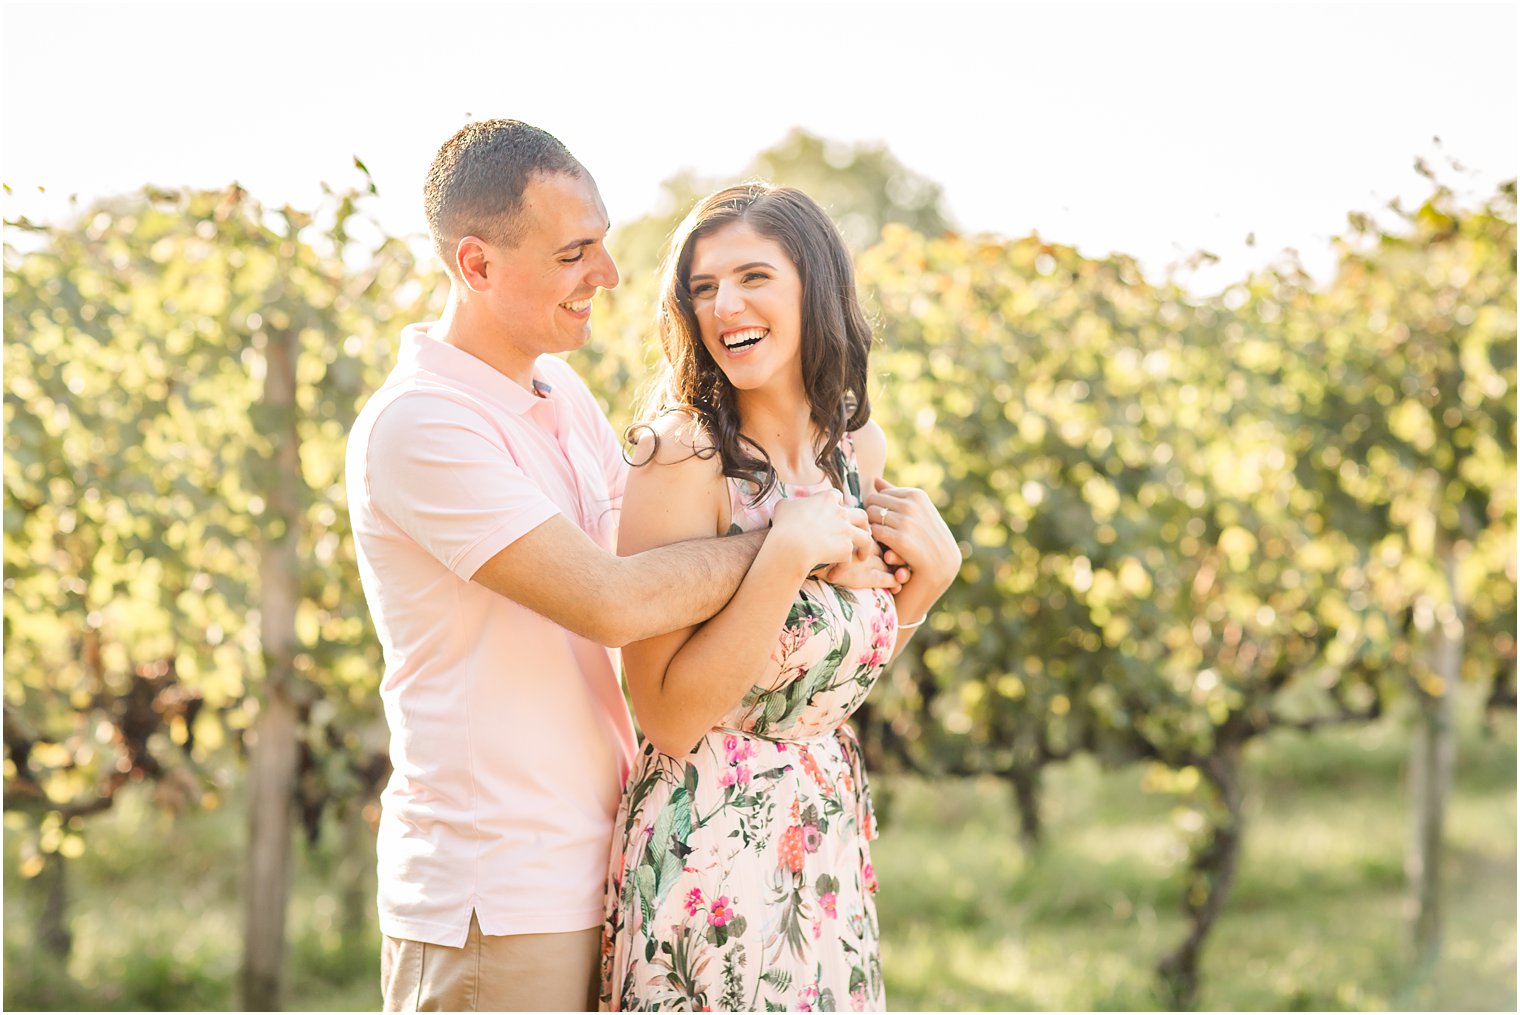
(791, 640)
(738, 750)
(807, 997)
(721, 912)
(817, 929)
(739, 775)
(868, 874)
(812, 838)
(693, 901)
(830, 903)
(881, 643)
(858, 999)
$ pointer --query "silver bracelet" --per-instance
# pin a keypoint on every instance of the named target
(916, 623)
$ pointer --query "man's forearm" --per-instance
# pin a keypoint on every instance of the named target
(682, 584)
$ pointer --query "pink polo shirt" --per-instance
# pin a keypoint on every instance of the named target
(509, 734)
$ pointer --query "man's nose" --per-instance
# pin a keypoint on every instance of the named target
(604, 272)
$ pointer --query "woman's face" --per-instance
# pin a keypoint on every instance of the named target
(747, 297)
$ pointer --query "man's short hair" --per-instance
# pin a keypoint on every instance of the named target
(476, 182)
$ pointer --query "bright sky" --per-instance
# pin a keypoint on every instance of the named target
(1154, 129)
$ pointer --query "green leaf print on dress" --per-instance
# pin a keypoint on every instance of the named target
(741, 874)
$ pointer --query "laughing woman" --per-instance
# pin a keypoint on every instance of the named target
(741, 876)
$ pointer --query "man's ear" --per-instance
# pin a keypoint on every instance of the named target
(472, 261)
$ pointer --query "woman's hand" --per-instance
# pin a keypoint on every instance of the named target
(871, 572)
(819, 529)
(906, 522)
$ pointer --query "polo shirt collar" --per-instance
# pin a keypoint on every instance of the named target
(435, 357)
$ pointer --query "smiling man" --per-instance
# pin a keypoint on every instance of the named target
(483, 484)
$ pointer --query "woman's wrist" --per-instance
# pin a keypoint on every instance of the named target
(789, 549)
(912, 610)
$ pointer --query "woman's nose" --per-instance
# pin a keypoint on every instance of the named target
(730, 302)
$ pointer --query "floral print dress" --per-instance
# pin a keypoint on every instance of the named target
(741, 874)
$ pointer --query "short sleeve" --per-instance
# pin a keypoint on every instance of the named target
(442, 473)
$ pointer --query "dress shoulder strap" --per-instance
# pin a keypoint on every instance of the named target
(849, 468)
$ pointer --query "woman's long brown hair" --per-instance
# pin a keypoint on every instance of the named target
(836, 339)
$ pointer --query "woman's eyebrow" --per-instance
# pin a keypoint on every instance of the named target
(742, 267)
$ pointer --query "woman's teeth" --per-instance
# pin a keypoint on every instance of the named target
(744, 339)
(577, 306)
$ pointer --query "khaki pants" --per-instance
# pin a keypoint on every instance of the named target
(519, 972)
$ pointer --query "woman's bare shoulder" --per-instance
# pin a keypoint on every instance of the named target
(870, 448)
(675, 487)
(675, 439)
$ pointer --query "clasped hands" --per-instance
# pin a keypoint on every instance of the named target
(912, 552)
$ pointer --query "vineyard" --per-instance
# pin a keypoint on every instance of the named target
(1192, 524)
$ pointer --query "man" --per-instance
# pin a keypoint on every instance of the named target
(484, 483)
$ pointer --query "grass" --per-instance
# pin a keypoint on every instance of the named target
(971, 920)
(1317, 919)
(157, 924)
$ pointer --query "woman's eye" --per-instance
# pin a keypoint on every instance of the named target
(755, 276)
(703, 290)
(571, 260)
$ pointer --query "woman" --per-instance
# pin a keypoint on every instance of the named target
(741, 875)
